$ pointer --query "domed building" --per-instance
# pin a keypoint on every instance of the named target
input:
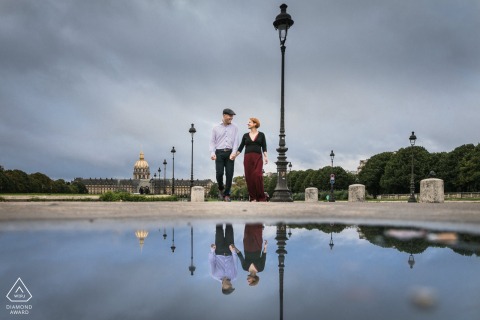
(141, 170)
(141, 182)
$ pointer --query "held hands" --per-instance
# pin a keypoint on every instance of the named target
(265, 160)
(232, 156)
(232, 248)
(214, 157)
(213, 247)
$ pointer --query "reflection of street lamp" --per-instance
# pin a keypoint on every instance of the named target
(173, 170)
(281, 243)
(331, 241)
(332, 179)
(282, 23)
(173, 240)
(411, 261)
(192, 267)
(412, 182)
(141, 235)
(164, 176)
(164, 233)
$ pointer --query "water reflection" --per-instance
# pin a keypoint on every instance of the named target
(333, 270)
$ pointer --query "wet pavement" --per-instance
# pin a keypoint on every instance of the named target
(158, 267)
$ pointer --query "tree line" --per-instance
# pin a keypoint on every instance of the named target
(17, 181)
(384, 173)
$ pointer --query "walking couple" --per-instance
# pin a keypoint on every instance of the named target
(225, 147)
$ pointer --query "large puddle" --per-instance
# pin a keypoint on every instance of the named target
(151, 270)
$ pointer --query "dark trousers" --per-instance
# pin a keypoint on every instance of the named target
(224, 164)
(223, 240)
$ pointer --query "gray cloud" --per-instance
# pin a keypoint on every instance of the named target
(87, 85)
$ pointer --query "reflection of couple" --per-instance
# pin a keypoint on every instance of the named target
(255, 257)
(223, 256)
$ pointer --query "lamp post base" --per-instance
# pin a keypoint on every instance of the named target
(412, 199)
(281, 196)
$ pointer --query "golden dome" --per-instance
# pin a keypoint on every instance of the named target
(141, 163)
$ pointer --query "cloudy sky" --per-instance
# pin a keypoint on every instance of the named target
(86, 85)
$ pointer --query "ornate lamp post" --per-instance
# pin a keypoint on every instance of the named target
(164, 176)
(192, 132)
(159, 170)
(173, 170)
(290, 175)
(332, 180)
(282, 23)
(412, 182)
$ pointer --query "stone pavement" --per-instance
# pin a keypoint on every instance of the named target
(450, 215)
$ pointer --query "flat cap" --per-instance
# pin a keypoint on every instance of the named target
(228, 111)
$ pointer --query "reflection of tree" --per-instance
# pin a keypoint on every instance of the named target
(326, 227)
(376, 236)
(466, 244)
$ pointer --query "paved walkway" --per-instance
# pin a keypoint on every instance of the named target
(451, 215)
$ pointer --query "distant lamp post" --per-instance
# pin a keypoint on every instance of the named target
(290, 176)
(159, 184)
(331, 244)
(282, 23)
(332, 180)
(164, 176)
(173, 169)
(192, 132)
(412, 138)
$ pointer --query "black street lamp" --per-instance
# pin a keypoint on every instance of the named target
(290, 176)
(412, 138)
(173, 170)
(155, 182)
(192, 132)
(282, 23)
(332, 180)
(164, 176)
(159, 184)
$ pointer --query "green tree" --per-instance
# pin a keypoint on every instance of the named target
(396, 178)
(469, 171)
(40, 183)
(373, 171)
(19, 181)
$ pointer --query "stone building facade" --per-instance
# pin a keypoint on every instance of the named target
(142, 182)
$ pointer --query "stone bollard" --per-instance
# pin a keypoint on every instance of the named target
(198, 194)
(311, 195)
(431, 191)
(356, 193)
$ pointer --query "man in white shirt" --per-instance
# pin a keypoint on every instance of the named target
(223, 144)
